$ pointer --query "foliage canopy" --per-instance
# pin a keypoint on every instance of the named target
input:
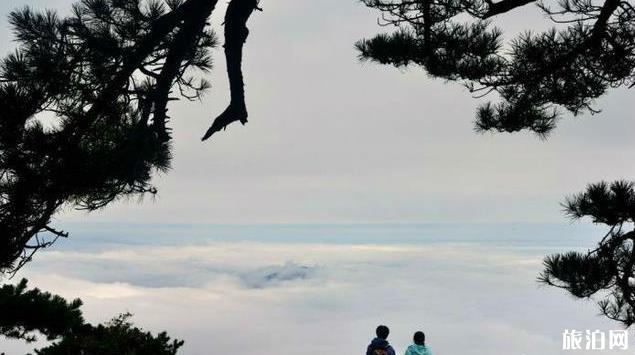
(27, 311)
(535, 75)
(84, 118)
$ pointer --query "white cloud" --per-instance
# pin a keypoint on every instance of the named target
(266, 298)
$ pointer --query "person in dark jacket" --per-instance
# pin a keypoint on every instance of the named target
(380, 342)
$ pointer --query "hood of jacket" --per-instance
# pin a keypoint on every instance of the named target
(415, 349)
(378, 343)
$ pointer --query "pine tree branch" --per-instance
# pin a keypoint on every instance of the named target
(160, 28)
(504, 6)
(236, 33)
(183, 43)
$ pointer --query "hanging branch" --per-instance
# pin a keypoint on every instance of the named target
(236, 33)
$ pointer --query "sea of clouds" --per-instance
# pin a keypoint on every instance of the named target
(249, 297)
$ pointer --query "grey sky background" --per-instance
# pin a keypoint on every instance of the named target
(331, 139)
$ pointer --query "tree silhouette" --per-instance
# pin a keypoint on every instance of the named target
(102, 79)
(116, 337)
(536, 76)
(608, 271)
(26, 311)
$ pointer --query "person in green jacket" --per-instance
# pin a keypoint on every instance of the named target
(419, 347)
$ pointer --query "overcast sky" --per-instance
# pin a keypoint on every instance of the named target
(331, 139)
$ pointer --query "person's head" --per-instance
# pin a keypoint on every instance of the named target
(382, 332)
(419, 338)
